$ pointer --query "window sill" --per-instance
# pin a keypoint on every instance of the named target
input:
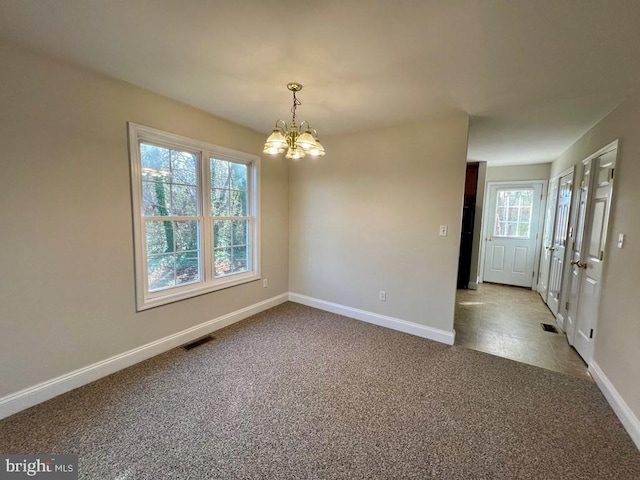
(189, 291)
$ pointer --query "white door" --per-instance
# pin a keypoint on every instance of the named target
(576, 255)
(558, 246)
(512, 233)
(593, 251)
(547, 239)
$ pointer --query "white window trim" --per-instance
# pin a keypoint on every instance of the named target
(205, 151)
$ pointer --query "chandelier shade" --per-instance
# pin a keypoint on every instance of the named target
(288, 138)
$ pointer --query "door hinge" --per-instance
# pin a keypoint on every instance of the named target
(533, 274)
(582, 184)
(591, 333)
(601, 255)
(612, 170)
(566, 306)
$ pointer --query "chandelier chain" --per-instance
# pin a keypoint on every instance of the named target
(296, 102)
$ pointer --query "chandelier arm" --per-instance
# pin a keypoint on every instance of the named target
(283, 128)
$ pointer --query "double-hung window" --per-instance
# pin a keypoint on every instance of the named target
(195, 212)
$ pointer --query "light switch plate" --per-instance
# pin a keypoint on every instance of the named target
(444, 230)
(620, 240)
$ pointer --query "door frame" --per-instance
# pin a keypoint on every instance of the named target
(486, 220)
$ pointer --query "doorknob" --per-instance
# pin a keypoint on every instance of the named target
(579, 264)
(489, 239)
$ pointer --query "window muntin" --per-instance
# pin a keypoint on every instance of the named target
(513, 213)
(195, 216)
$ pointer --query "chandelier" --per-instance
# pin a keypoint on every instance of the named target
(298, 145)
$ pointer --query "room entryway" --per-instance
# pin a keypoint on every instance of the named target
(506, 321)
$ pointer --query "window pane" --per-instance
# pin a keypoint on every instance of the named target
(220, 174)
(513, 213)
(155, 199)
(156, 163)
(187, 268)
(159, 237)
(222, 261)
(523, 230)
(238, 207)
(240, 259)
(160, 272)
(184, 201)
(186, 236)
(238, 176)
(240, 229)
(220, 202)
(184, 168)
(222, 233)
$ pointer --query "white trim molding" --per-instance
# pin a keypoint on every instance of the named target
(629, 421)
(31, 396)
(442, 336)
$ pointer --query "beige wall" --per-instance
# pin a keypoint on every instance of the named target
(366, 218)
(67, 285)
(617, 340)
(537, 171)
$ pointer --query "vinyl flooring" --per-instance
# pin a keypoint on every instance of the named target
(506, 321)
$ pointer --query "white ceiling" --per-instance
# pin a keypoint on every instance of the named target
(533, 75)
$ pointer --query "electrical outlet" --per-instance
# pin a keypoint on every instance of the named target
(265, 283)
(382, 296)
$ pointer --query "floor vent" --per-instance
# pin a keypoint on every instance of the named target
(547, 327)
(198, 342)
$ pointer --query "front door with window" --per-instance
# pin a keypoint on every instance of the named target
(511, 233)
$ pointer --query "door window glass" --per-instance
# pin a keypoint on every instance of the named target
(513, 213)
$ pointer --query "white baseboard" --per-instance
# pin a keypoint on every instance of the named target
(438, 335)
(31, 396)
(473, 285)
(628, 419)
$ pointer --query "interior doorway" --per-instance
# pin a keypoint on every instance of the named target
(468, 225)
(506, 316)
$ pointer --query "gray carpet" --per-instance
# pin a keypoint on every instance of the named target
(295, 392)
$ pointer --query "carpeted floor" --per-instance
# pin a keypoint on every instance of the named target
(296, 392)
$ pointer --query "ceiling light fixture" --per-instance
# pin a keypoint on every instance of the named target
(298, 145)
